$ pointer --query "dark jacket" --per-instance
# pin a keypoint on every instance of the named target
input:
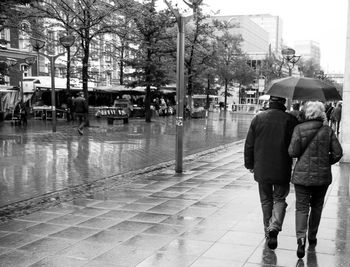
(266, 145)
(317, 148)
(336, 113)
(80, 105)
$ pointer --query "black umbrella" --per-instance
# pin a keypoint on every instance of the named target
(302, 88)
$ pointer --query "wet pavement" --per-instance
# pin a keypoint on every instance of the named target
(35, 161)
(207, 216)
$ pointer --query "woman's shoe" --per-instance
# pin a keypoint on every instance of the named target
(312, 242)
(301, 248)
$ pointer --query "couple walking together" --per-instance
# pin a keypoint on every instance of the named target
(274, 138)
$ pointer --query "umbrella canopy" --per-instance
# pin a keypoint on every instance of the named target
(302, 88)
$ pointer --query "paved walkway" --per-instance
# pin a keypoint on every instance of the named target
(207, 216)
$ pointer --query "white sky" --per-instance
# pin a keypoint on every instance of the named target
(318, 20)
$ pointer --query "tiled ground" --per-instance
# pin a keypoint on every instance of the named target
(208, 216)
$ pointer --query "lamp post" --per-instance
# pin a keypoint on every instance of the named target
(66, 41)
(290, 58)
(180, 77)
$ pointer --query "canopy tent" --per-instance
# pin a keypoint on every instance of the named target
(9, 97)
(123, 90)
(30, 84)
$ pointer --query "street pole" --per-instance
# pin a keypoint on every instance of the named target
(53, 93)
(291, 59)
(180, 94)
(52, 60)
(66, 41)
(345, 120)
(180, 78)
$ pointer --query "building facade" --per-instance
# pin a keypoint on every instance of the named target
(273, 25)
(255, 38)
(308, 49)
(16, 53)
(255, 45)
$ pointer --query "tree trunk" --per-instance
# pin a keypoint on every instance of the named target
(207, 106)
(148, 114)
(189, 90)
(121, 66)
(85, 74)
(225, 99)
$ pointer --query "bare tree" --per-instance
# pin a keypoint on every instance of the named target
(86, 19)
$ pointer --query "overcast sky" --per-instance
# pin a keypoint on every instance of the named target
(318, 20)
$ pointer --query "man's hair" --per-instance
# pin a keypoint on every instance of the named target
(314, 109)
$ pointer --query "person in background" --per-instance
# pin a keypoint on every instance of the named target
(329, 109)
(266, 155)
(23, 113)
(316, 147)
(336, 117)
(70, 114)
(80, 109)
(297, 112)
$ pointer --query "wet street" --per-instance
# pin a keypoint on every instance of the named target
(35, 161)
(208, 216)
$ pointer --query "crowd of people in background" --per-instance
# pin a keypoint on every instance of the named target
(332, 114)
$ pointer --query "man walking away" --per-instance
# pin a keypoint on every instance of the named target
(80, 109)
(266, 154)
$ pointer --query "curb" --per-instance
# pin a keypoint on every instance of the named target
(48, 200)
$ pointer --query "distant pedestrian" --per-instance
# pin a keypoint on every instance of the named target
(266, 154)
(297, 112)
(70, 113)
(23, 113)
(336, 117)
(329, 109)
(80, 109)
(317, 148)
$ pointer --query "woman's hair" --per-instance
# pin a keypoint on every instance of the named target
(314, 109)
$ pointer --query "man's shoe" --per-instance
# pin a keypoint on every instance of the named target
(312, 242)
(301, 248)
(272, 240)
(80, 131)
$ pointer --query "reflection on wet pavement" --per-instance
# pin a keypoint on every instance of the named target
(34, 161)
(207, 216)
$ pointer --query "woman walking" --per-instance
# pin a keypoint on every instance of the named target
(316, 146)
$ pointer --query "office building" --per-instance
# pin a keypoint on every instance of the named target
(255, 39)
(308, 49)
(273, 25)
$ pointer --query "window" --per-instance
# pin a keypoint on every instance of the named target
(5, 36)
(26, 70)
(108, 49)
